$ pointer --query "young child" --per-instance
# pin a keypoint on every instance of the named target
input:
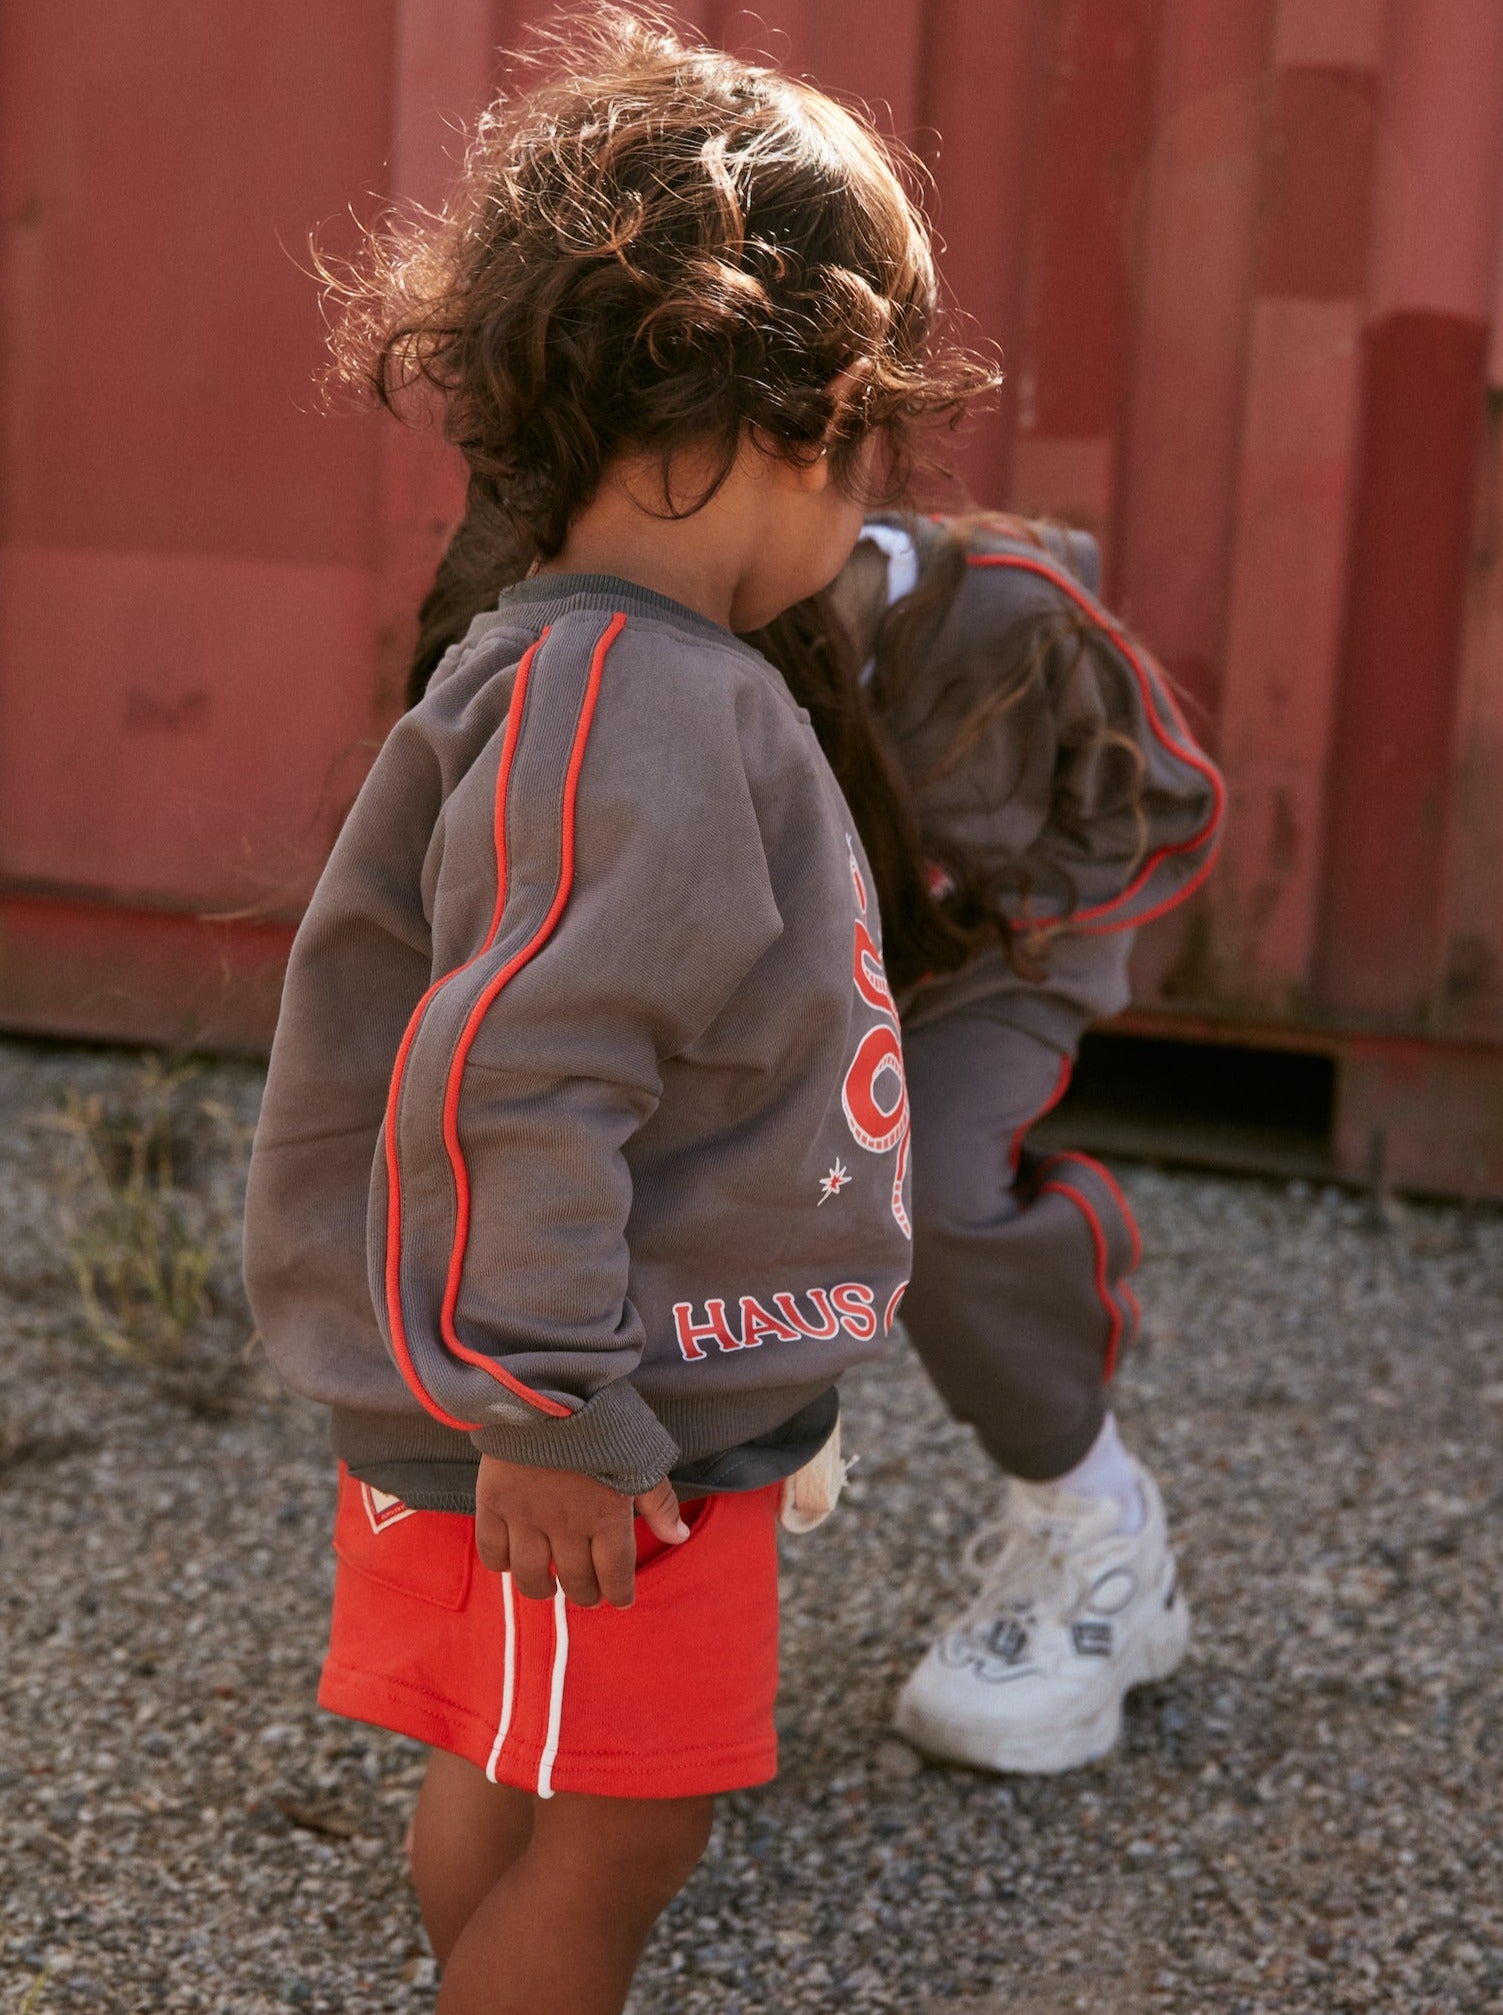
(1055, 781)
(582, 1168)
(986, 716)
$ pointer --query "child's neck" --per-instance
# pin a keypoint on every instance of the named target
(700, 560)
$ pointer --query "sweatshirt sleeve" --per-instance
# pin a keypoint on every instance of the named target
(1136, 808)
(607, 846)
(1086, 787)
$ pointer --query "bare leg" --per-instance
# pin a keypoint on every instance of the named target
(563, 1928)
(465, 1834)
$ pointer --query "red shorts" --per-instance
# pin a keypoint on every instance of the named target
(671, 1698)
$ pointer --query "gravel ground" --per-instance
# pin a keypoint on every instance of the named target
(1306, 1819)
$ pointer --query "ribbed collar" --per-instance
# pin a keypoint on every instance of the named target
(585, 591)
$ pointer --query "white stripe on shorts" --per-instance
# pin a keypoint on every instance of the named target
(508, 1678)
(555, 1693)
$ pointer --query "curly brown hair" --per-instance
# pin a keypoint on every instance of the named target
(658, 246)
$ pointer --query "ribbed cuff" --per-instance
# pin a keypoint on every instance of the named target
(616, 1438)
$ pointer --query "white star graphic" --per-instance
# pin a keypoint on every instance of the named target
(833, 1183)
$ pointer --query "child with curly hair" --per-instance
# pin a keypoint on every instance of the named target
(582, 1170)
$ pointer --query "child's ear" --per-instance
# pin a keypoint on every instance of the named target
(810, 471)
(806, 470)
(798, 468)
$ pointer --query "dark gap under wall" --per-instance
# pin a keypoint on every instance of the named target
(1215, 1105)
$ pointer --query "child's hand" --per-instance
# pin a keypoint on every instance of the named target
(538, 1523)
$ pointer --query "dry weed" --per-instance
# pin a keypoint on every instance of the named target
(139, 1240)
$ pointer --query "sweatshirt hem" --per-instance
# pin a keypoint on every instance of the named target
(740, 1443)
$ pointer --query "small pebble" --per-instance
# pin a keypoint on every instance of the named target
(896, 1760)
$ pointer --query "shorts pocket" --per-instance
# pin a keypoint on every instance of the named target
(653, 1552)
(429, 1555)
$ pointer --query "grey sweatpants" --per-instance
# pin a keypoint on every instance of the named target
(1019, 1304)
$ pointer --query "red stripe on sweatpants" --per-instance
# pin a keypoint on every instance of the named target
(1099, 1168)
(1061, 1086)
(1114, 1311)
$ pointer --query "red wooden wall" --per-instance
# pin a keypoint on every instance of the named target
(1241, 257)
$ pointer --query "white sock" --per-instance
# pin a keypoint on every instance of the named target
(1106, 1471)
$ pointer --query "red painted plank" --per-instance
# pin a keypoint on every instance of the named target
(1091, 148)
(97, 970)
(1389, 792)
(167, 162)
(1425, 356)
(981, 61)
(1294, 502)
(1176, 508)
(187, 728)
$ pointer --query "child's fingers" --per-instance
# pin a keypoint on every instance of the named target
(575, 1568)
(659, 1507)
(615, 1558)
(531, 1558)
(492, 1540)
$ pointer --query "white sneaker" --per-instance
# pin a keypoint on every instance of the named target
(1069, 1616)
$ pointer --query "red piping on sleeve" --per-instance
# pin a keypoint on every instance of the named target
(1175, 737)
(1061, 1086)
(483, 1006)
(401, 1351)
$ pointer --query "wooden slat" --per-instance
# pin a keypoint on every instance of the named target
(1294, 499)
(1091, 147)
(1389, 801)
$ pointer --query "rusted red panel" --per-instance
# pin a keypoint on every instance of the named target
(1317, 189)
(1390, 793)
(186, 543)
(993, 50)
(445, 66)
(873, 52)
(1389, 790)
(1300, 409)
(1091, 147)
(1241, 257)
(1428, 1115)
(105, 969)
(1471, 996)
(165, 164)
(1200, 200)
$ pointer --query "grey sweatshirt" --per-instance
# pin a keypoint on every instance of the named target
(585, 1137)
(1090, 780)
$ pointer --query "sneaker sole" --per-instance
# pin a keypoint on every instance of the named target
(1069, 1746)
